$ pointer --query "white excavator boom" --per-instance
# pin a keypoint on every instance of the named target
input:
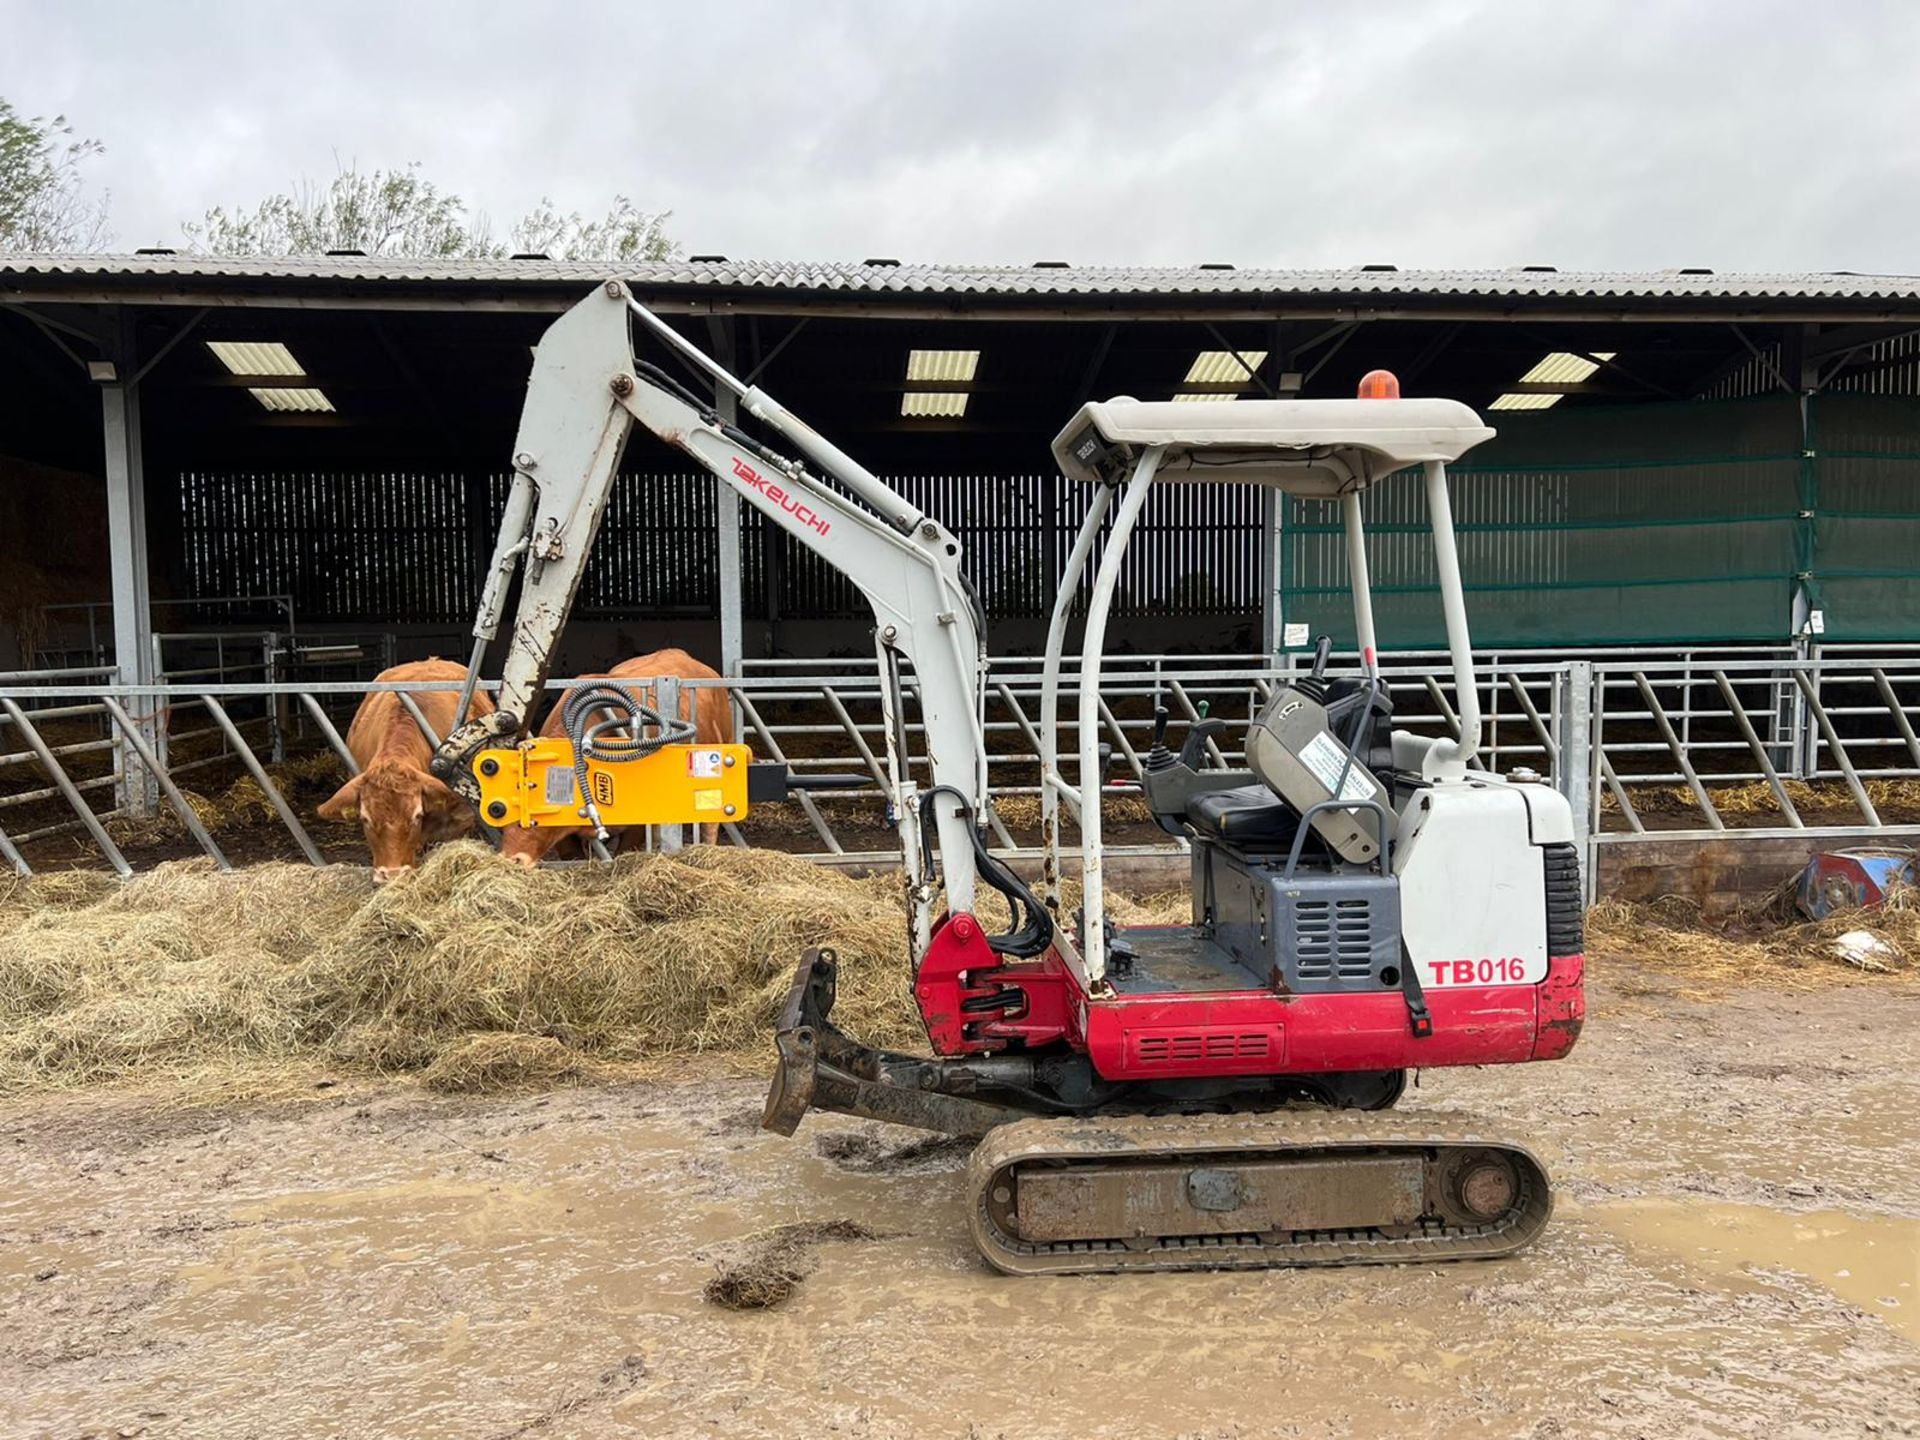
(586, 392)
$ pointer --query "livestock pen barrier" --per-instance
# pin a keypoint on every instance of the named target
(1731, 753)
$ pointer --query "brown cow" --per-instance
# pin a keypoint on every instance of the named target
(712, 723)
(400, 807)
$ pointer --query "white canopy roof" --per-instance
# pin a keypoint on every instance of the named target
(1309, 447)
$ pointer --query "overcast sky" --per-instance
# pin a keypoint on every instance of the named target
(1738, 135)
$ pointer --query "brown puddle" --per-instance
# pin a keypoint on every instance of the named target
(1871, 1261)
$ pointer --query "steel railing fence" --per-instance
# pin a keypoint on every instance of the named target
(80, 632)
(1615, 730)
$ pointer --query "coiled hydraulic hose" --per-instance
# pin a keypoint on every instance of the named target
(1033, 926)
(628, 729)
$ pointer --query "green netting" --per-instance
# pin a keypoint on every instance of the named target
(1863, 540)
(1659, 523)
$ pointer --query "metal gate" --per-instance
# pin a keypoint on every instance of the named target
(1646, 745)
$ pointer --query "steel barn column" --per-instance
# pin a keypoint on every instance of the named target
(127, 549)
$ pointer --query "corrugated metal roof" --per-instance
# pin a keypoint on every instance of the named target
(923, 404)
(1527, 401)
(974, 280)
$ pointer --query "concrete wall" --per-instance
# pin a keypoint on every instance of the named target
(1721, 874)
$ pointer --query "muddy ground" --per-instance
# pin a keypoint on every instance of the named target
(1736, 1252)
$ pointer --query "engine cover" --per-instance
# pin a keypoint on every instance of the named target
(1307, 933)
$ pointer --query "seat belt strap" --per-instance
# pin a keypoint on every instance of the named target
(1419, 1018)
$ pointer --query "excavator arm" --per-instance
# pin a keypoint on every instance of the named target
(588, 390)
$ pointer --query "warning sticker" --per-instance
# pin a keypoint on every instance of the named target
(703, 764)
(706, 799)
(559, 785)
(1324, 756)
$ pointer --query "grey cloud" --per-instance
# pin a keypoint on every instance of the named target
(1760, 135)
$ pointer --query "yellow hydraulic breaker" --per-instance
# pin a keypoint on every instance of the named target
(535, 785)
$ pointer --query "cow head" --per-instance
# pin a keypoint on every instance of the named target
(529, 847)
(400, 809)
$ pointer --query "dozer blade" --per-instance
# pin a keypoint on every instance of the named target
(1288, 1187)
(796, 1040)
(821, 1069)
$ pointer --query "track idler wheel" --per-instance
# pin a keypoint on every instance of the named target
(1476, 1187)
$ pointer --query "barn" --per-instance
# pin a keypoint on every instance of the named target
(1683, 457)
(293, 468)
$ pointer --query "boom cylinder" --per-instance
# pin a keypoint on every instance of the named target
(872, 490)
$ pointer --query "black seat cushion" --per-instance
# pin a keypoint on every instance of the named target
(1249, 816)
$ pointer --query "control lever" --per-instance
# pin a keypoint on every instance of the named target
(1193, 752)
(1322, 652)
(1159, 757)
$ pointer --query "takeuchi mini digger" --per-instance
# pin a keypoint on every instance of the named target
(1365, 901)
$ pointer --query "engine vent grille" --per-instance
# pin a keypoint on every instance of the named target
(1333, 939)
(1566, 908)
(1188, 1047)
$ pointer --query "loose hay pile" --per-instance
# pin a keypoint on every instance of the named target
(497, 1060)
(476, 972)
(184, 968)
(1019, 813)
(1892, 798)
(1022, 812)
(1768, 944)
(303, 782)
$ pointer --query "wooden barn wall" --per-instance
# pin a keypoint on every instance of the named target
(411, 546)
(53, 548)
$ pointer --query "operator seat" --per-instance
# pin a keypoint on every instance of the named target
(1257, 818)
(1251, 817)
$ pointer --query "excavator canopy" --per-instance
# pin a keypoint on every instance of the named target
(1306, 447)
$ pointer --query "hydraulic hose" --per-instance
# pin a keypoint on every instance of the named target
(628, 729)
(1033, 926)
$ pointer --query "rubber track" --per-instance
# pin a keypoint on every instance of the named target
(1124, 1139)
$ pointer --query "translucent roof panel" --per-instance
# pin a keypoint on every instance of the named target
(922, 404)
(951, 365)
(298, 398)
(255, 357)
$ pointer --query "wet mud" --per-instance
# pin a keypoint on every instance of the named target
(1735, 1252)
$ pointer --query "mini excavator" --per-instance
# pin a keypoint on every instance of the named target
(1366, 900)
